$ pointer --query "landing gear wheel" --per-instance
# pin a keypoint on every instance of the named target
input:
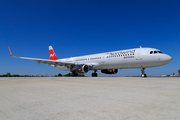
(59, 75)
(143, 75)
(94, 74)
(75, 74)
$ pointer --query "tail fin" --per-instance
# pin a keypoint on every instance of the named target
(52, 54)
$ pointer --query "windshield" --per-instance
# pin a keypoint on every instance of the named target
(160, 52)
(155, 52)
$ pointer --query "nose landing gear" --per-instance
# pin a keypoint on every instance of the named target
(143, 73)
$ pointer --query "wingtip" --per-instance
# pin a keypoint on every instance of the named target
(9, 51)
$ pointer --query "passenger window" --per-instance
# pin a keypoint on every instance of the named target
(151, 52)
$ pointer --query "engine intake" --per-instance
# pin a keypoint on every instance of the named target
(109, 71)
(79, 69)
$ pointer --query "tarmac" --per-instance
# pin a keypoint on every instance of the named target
(87, 98)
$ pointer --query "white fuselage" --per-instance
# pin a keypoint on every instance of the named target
(123, 59)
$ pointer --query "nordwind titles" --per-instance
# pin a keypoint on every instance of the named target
(131, 52)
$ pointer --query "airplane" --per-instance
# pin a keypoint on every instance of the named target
(108, 62)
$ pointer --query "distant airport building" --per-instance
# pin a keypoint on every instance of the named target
(179, 72)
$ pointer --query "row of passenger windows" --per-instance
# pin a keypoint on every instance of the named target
(89, 59)
(80, 59)
(95, 58)
(120, 55)
(154, 52)
(107, 57)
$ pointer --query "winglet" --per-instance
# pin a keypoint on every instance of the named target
(10, 52)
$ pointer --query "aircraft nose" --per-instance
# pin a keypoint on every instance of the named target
(167, 59)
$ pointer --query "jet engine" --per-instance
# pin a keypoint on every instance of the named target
(79, 69)
(109, 71)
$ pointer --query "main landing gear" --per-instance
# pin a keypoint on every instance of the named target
(143, 73)
(94, 74)
(59, 75)
(74, 74)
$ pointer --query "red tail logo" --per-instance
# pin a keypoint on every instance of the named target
(52, 54)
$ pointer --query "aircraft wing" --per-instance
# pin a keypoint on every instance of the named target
(45, 61)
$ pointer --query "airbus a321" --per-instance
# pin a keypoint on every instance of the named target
(108, 62)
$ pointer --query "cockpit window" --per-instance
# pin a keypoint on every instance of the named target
(155, 52)
(160, 52)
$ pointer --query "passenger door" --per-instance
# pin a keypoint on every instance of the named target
(139, 55)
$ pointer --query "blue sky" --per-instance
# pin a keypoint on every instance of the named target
(81, 27)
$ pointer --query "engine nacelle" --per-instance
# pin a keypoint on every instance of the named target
(79, 69)
(109, 71)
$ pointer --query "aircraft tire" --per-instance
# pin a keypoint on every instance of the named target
(75, 74)
(59, 75)
(94, 74)
(143, 75)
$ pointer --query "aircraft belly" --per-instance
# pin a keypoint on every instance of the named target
(130, 63)
(119, 64)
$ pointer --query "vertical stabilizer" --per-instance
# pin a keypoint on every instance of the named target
(52, 55)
